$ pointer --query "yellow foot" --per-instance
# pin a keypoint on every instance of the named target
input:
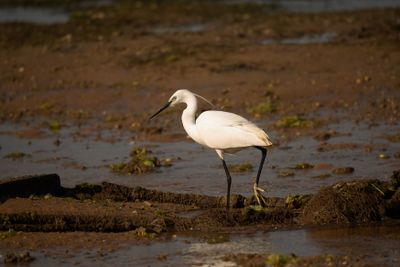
(259, 197)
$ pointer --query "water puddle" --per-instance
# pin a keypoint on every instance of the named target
(377, 245)
(316, 6)
(37, 15)
(187, 28)
(322, 38)
(44, 15)
(198, 170)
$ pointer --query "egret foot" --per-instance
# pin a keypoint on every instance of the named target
(259, 197)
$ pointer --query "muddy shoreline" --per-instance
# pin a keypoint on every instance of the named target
(41, 207)
(76, 93)
(351, 202)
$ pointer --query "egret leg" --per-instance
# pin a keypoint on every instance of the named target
(229, 180)
(258, 190)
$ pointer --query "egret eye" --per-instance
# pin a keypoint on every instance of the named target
(173, 99)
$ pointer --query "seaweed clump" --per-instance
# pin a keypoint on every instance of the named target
(140, 162)
(263, 108)
(17, 258)
(278, 260)
(245, 167)
(17, 155)
(7, 234)
(294, 121)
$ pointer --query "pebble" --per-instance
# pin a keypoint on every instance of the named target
(343, 170)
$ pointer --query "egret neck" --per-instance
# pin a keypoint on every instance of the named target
(189, 118)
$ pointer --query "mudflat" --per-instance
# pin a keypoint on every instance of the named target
(325, 84)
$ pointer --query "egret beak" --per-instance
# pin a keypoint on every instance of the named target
(161, 109)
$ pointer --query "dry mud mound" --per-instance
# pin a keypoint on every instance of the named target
(351, 203)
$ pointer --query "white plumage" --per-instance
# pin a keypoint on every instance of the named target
(225, 130)
(222, 131)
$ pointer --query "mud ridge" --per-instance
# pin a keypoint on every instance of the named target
(124, 193)
(33, 222)
(115, 208)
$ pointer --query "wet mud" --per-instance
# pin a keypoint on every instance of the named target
(257, 260)
(321, 78)
(121, 215)
(116, 208)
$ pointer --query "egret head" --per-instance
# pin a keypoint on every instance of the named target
(173, 100)
(180, 96)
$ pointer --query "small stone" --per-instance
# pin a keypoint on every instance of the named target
(303, 166)
(322, 166)
(383, 156)
(343, 170)
(57, 142)
(323, 136)
(147, 203)
(285, 173)
(322, 176)
(162, 257)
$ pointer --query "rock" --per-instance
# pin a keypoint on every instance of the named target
(304, 166)
(395, 179)
(393, 206)
(323, 136)
(30, 185)
(285, 173)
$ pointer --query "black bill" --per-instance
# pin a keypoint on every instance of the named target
(161, 109)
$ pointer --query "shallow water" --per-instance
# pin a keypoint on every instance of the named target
(303, 40)
(316, 6)
(37, 15)
(198, 170)
(56, 15)
(377, 245)
(185, 28)
(43, 14)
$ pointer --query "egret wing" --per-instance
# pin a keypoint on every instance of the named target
(225, 130)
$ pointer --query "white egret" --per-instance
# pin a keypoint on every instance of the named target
(223, 131)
